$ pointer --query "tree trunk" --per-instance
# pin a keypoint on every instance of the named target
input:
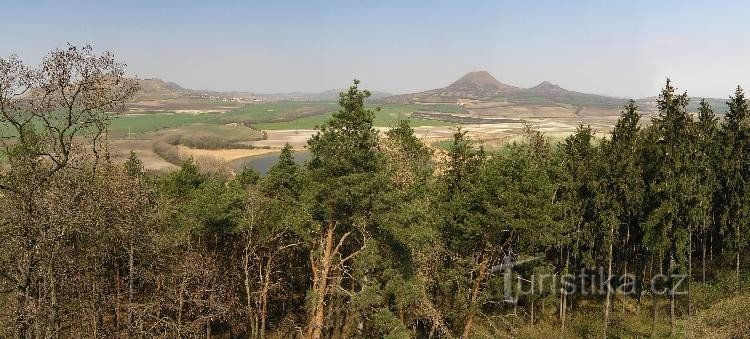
(118, 300)
(562, 312)
(655, 301)
(671, 312)
(655, 308)
(180, 303)
(481, 272)
(737, 267)
(609, 278)
(739, 248)
(22, 326)
(131, 269)
(321, 269)
(264, 298)
(671, 296)
(703, 256)
(737, 260)
(53, 325)
(690, 270)
(251, 324)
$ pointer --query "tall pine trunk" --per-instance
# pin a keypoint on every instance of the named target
(671, 296)
(739, 247)
(703, 256)
(690, 270)
(609, 278)
(131, 268)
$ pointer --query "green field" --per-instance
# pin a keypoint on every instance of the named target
(301, 123)
(277, 111)
(268, 116)
(232, 133)
(389, 115)
(264, 116)
(121, 125)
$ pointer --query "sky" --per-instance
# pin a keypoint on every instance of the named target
(618, 48)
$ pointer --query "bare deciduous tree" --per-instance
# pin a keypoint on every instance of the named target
(49, 115)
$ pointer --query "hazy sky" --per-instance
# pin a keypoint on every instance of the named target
(622, 48)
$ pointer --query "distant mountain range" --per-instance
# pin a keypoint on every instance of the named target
(474, 87)
(481, 86)
(158, 89)
(329, 95)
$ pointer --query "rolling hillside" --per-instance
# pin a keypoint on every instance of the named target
(482, 94)
(482, 86)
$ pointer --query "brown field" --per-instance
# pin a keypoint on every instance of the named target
(143, 148)
(183, 105)
(556, 121)
(513, 111)
(489, 135)
(222, 154)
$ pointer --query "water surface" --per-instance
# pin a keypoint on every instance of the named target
(262, 163)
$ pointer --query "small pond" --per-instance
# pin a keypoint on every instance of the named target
(262, 163)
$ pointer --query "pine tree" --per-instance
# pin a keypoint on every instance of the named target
(578, 191)
(671, 189)
(345, 178)
(736, 173)
(134, 166)
(622, 192)
(706, 163)
(283, 179)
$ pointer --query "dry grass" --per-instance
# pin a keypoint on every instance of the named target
(222, 154)
(729, 318)
(193, 105)
(145, 152)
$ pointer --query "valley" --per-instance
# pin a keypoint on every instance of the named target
(247, 124)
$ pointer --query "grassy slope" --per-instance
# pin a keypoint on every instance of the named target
(729, 318)
(389, 115)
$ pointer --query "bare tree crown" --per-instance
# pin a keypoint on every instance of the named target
(68, 97)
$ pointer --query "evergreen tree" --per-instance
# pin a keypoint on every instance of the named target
(578, 193)
(622, 191)
(706, 162)
(134, 166)
(283, 179)
(672, 187)
(345, 180)
(736, 174)
(409, 160)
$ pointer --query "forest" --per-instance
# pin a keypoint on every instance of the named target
(377, 235)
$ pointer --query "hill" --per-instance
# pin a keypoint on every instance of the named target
(158, 89)
(482, 86)
(328, 95)
(478, 85)
(549, 93)
(157, 95)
